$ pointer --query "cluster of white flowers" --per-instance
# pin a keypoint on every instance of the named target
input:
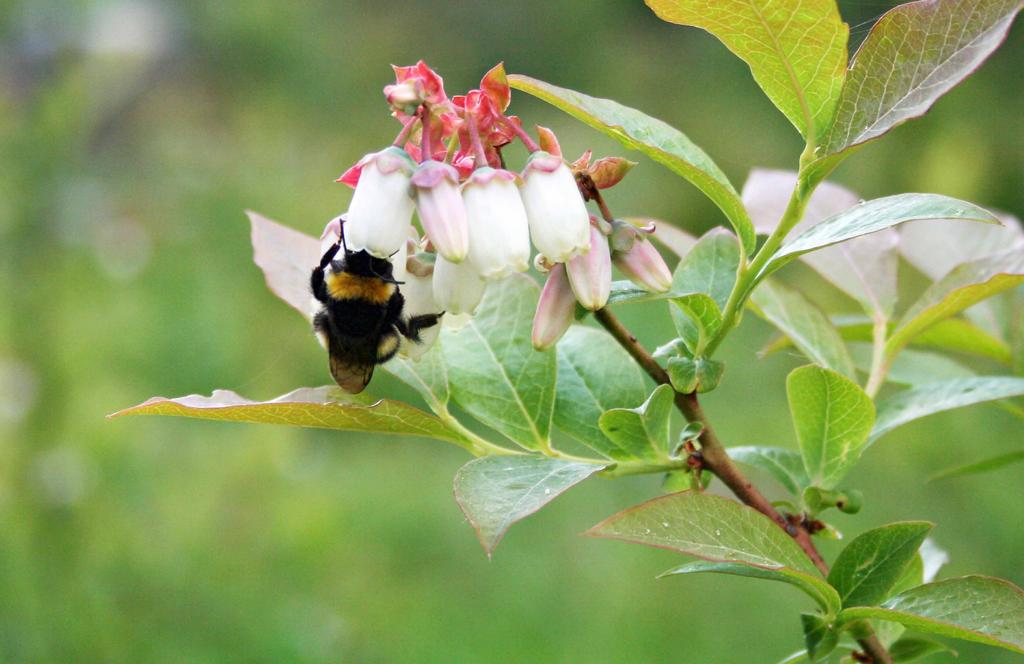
(479, 218)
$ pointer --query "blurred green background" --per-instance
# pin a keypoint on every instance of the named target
(132, 136)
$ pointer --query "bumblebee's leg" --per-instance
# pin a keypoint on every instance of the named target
(388, 345)
(316, 280)
(411, 328)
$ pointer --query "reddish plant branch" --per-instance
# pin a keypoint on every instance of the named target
(717, 460)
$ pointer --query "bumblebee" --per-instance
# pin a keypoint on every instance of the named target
(361, 320)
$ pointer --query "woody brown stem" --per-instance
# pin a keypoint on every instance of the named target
(717, 460)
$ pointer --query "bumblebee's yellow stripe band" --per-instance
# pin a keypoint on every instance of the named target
(345, 286)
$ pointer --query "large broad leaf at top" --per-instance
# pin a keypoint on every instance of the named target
(924, 400)
(873, 216)
(494, 492)
(963, 287)
(913, 55)
(864, 268)
(286, 257)
(833, 417)
(973, 608)
(493, 369)
(658, 140)
(810, 330)
(796, 50)
(708, 527)
(319, 407)
(868, 568)
(594, 375)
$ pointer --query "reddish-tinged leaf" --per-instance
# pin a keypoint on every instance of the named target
(286, 257)
(495, 85)
(318, 407)
(914, 54)
(548, 141)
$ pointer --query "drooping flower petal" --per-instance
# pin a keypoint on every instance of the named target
(644, 266)
(458, 287)
(381, 207)
(590, 274)
(559, 222)
(440, 207)
(499, 235)
(555, 310)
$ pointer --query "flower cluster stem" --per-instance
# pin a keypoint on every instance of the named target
(717, 460)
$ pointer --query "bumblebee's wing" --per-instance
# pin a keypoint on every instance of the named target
(351, 365)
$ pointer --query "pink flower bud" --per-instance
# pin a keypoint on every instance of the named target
(439, 203)
(458, 287)
(381, 207)
(644, 266)
(555, 310)
(499, 234)
(590, 274)
(559, 223)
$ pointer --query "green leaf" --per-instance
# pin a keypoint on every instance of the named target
(428, 374)
(912, 367)
(910, 648)
(810, 330)
(624, 291)
(966, 285)
(496, 491)
(709, 268)
(659, 141)
(924, 400)
(786, 466)
(864, 268)
(913, 55)
(983, 466)
(699, 323)
(873, 562)
(494, 372)
(818, 590)
(873, 216)
(796, 51)
(594, 375)
(689, 374)
(642, 432)
(973, 608)
(286, 257)
(832, 417)
(820, 636)
(708, 527)
(318, 407)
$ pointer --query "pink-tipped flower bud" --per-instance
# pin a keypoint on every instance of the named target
(559, 223)
(405, 96)
(499, 234)
(439, 203)
(458, 287)
(381, 207)
(590, 274)
(644, 266)
(555, 310)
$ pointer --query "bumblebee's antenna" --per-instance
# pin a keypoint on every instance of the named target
(341, 233)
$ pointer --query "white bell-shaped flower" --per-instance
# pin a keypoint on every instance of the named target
(559, 222)
(382, 204)
(439, 203)
(458, 287)
(499, 234)
(418, 291)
